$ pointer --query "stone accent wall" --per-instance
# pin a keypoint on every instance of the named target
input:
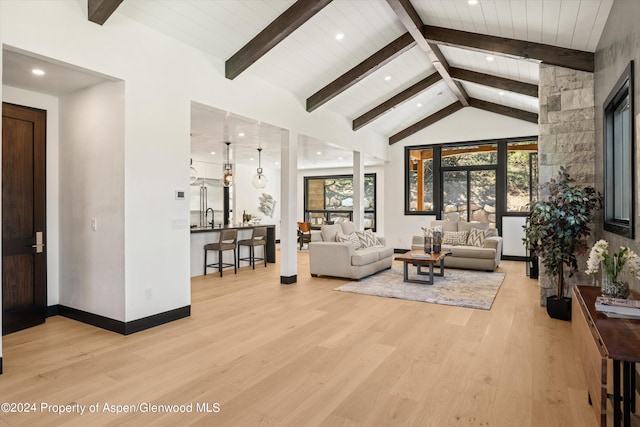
(566, 138)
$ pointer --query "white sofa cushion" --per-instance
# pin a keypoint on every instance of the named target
(351, 238)
(476, 237)
(454, 238)
(329, 232)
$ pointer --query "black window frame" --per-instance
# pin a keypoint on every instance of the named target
(327, 212)
(623, 89)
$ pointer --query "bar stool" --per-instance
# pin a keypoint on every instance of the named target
(258, 238)
(228, 241)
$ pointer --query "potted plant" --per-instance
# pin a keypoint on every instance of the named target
(556, 231)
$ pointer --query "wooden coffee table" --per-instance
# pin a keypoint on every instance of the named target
(420, 260)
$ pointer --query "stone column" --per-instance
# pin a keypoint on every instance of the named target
(566, 138)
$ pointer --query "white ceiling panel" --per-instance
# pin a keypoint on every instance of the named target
(313, 58)
(430, 101)
(374, 89)
(497, 96)
(502, 66)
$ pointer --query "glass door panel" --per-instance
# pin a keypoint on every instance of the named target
(454, 195)
(483, 196)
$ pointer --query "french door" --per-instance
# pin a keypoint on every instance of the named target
(469, 194)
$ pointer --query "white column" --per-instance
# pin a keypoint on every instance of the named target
(358, 189)
(289, 203)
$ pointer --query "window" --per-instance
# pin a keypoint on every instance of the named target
(619, 197)
(420, 166)
(522, 175)
(330, 199)
(472, 181)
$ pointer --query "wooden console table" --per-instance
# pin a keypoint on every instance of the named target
(599, 339)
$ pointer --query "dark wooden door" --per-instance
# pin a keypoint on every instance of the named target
(24, 286)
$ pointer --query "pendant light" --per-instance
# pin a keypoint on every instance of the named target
(227, 170)
(259, 180)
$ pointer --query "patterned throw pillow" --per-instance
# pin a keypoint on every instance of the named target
(454, 238)
(476, 237)
(367, 239)
(350, 238)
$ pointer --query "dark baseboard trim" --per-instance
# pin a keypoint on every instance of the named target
(157, 319)
(514, 258)
(0, 365)
(288, 280)
(124, 328)
(52, 310)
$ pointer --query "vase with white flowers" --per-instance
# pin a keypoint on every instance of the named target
(612, 267)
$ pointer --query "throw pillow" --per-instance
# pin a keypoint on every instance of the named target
(454, 238)
(351, 238)
(367, 239)
(476, 237)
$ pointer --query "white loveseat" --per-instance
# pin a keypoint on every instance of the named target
(485, 257)
(329, 257)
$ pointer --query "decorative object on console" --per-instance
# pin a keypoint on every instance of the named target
(227, 170)
(612, 267)
(556, 229)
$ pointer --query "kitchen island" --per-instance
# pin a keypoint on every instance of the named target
(201, 236)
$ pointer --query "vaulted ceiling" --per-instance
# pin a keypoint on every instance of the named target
(400, 65)
(391, 66)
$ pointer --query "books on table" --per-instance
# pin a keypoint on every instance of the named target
(618, 307)
(420, 256)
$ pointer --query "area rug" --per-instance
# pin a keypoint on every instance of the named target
(462, 288)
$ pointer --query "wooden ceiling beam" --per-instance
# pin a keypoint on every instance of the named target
(285, 24)
(360, 71)
(427, 121)
(396, 100)
(494, 81)
(411, 20)
(554, 55)
(504, 110)
(100, 10)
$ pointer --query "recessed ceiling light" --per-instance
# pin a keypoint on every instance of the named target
(37, 72)
(251, 159)
(277, 163)
(472, 2)
(213, 153)
(501, 93)
(339, 158)
(240, 134)
(318, 152)
(387, 78)
(439, 93)
(490, 58)
(339, 36)
(419, 104)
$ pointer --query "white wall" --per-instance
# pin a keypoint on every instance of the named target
(468, 124)
(162, 77)
(92, 263)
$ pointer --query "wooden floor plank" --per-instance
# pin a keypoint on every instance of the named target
(308, 355)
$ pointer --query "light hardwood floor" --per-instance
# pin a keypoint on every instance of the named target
(306, 355)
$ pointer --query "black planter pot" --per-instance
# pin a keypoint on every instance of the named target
(559, 308)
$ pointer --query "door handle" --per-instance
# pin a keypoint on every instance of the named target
(39, 245)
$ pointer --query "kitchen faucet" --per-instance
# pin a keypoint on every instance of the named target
(206, 215)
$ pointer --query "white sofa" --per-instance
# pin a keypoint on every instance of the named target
(327, 257)
(468, 257)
